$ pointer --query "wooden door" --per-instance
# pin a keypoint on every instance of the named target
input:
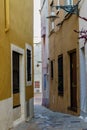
(73, 81)
(16, 88)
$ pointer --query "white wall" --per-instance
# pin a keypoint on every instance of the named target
(83, 79)
(83, 57)
(37, 22)
(45, 54)
(6, 114)
(37, 70)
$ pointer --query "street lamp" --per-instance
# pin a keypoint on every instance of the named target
(71, 9)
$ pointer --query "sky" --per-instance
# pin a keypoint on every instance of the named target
(37, 24)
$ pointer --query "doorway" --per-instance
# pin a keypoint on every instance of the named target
(73, 81)
(18, 84)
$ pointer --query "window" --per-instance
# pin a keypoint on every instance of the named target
(16, 75)
(29, 64)
(6, 9)
(60, 75)
(51, 69)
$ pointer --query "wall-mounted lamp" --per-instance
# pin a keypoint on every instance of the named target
(72, 9)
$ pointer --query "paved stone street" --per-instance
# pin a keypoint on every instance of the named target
(45, 119)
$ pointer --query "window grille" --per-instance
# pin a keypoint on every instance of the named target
(60, 75)
(28, 65)
(51, 69)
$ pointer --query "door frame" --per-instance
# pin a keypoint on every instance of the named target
(21, 80)
(73, 109)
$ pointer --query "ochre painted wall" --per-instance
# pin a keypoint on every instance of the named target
(63, 40)
(20, 32)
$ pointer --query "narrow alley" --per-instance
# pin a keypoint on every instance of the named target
(44, 119)
(43, 65)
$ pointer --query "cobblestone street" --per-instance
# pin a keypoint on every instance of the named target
(44, 119)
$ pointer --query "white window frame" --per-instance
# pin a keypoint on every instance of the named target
(19, 50)
(28, 47)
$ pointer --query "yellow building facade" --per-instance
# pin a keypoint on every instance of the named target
(16, 62)
(64, 60)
